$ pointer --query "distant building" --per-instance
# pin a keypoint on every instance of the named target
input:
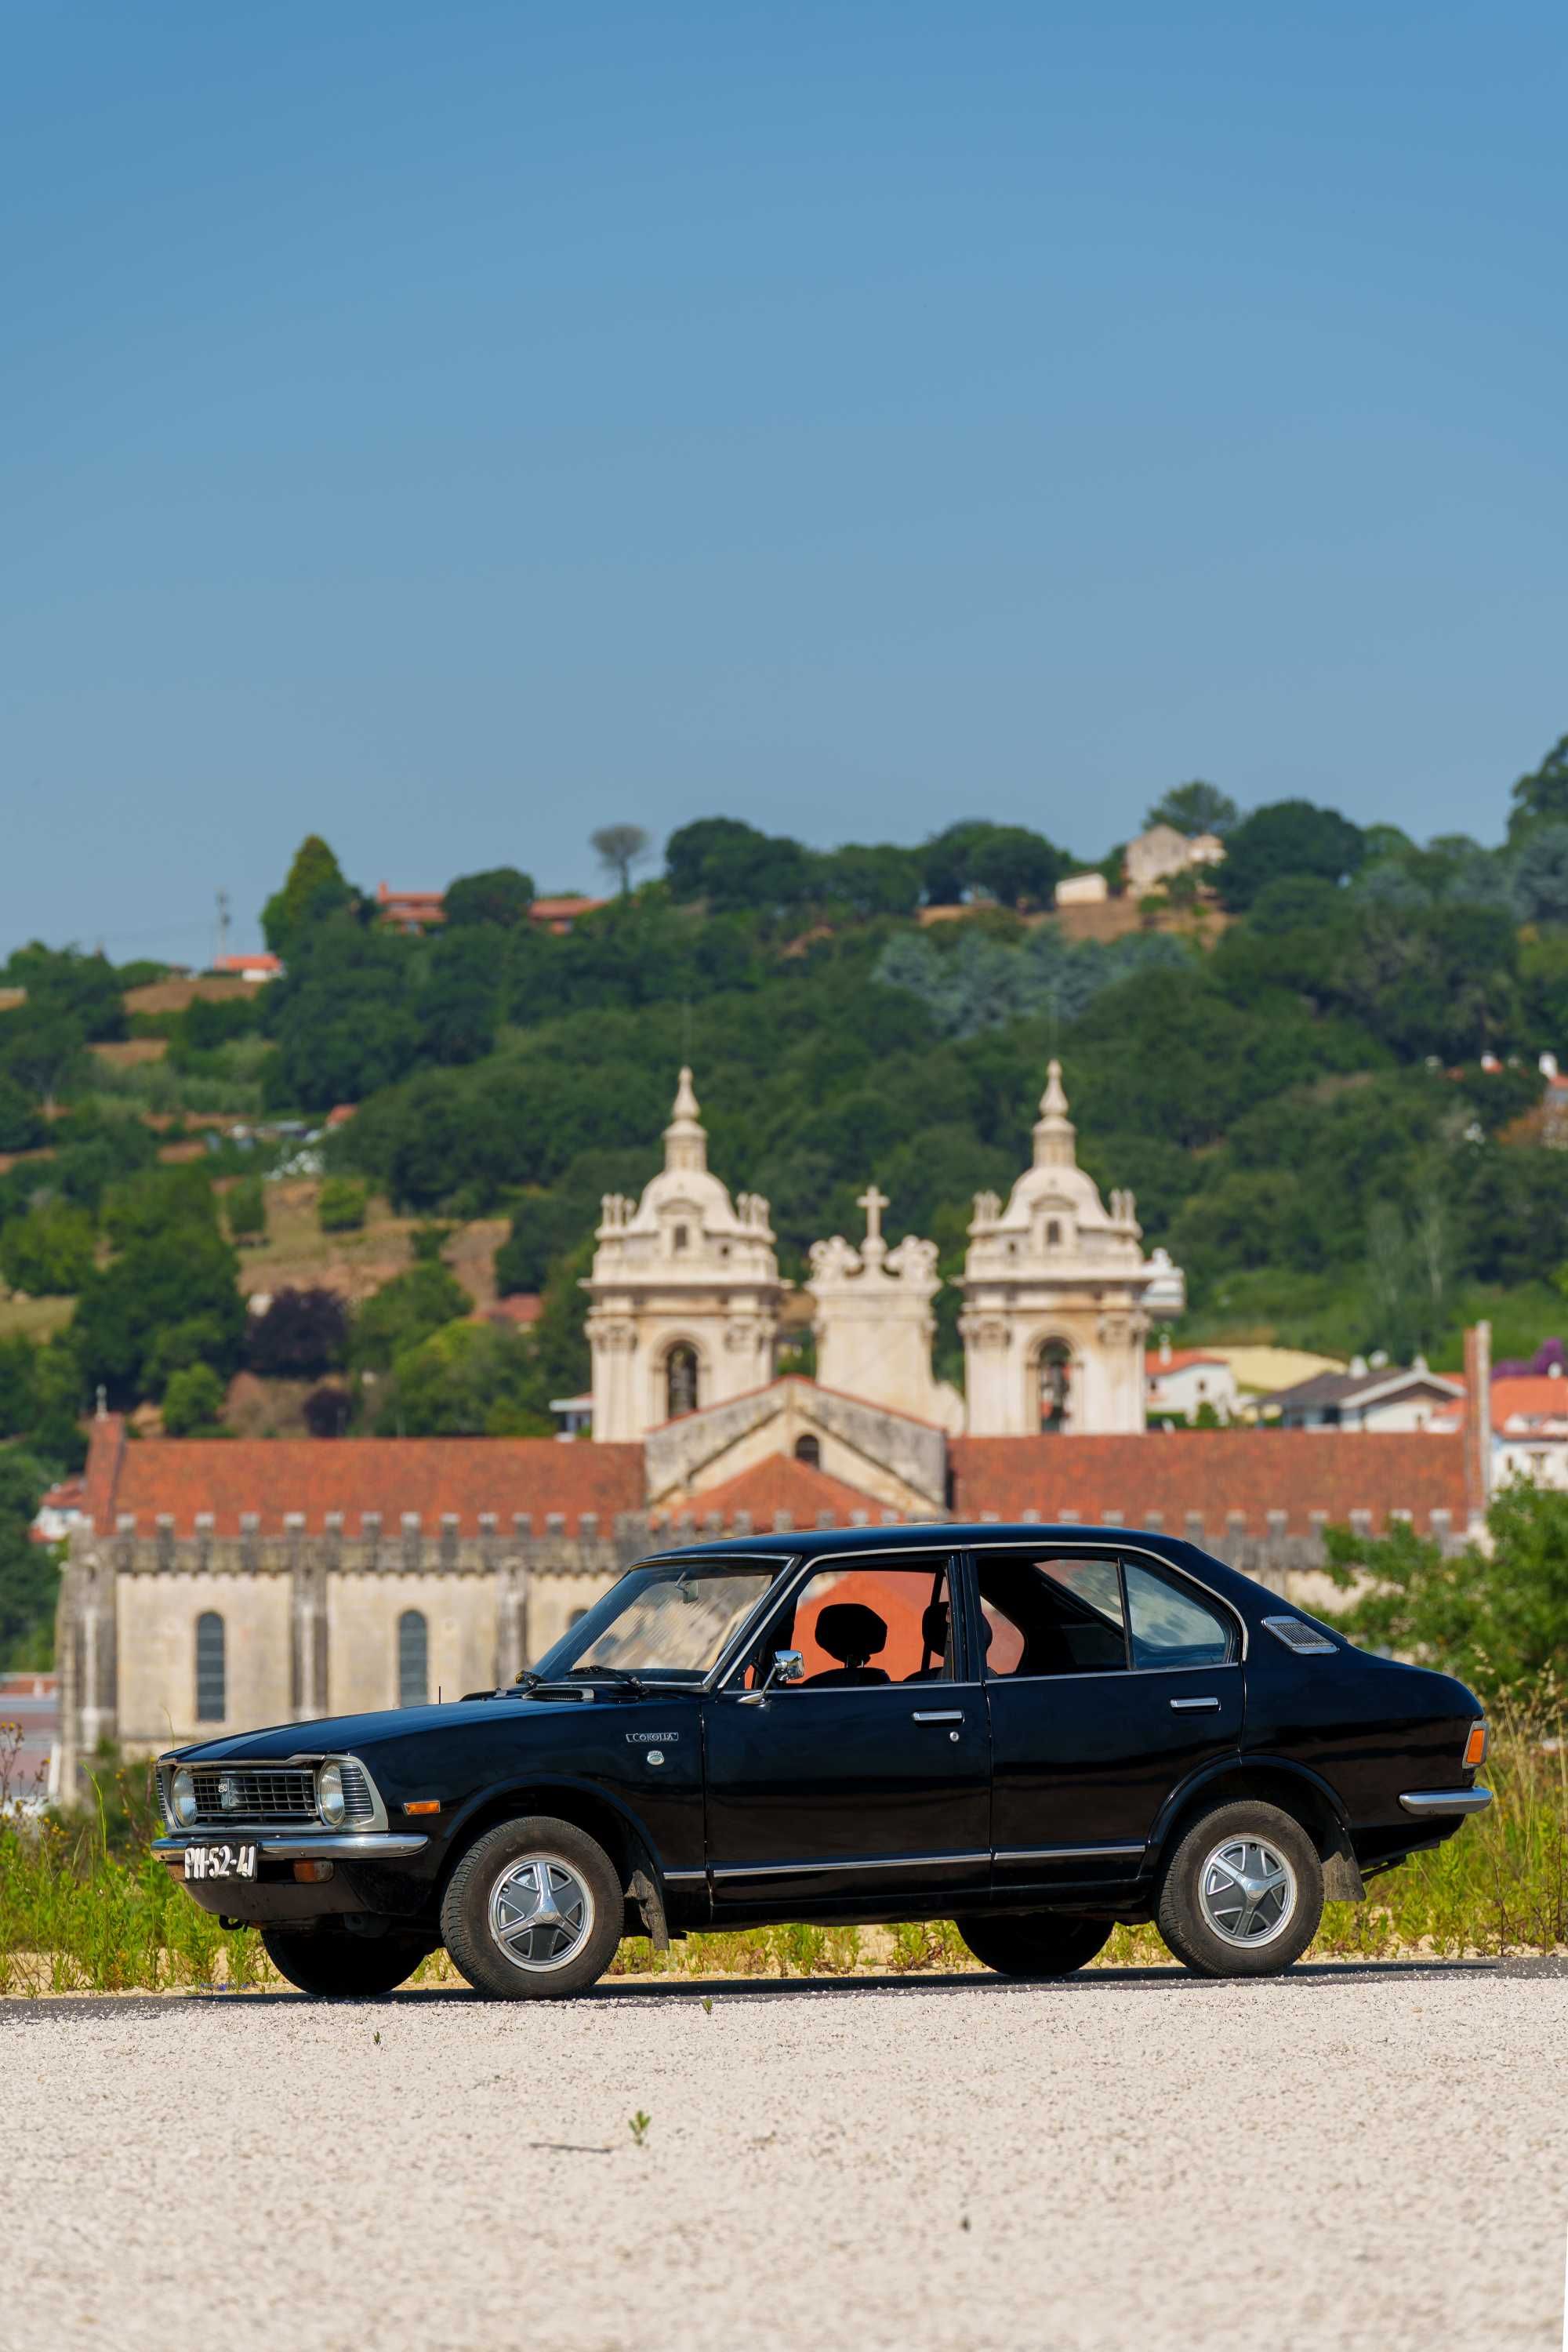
(1162, 851)
(60, 1511)
(559, 914)
(1182, 1381)
(410, 910)
(260, 966)
(1082, 891)
(1368, 1396)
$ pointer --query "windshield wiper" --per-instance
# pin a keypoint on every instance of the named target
(607, 1674)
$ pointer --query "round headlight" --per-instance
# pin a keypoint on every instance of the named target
(182, 1795)
(330, 1794)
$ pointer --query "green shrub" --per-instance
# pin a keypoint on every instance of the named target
(247, 1210)
(193, 1401)
(48, 1253)
(341, 1206)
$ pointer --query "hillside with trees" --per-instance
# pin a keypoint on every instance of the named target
(1316, 1065)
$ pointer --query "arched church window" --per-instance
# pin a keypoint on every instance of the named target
(412, 1659)
(680, 1381)
(211, 1677)
(806, 1449)
(1054, 1378)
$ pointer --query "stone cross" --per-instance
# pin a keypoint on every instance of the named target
(873, 1202)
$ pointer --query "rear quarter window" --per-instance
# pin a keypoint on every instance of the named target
(1171, 1626)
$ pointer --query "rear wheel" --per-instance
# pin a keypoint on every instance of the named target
(1242, 1894)
(534, 1910)
(335, 1965)
(1034, 1943)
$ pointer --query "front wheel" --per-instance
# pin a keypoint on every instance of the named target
(1242, 1894)
(534, 1910)
(1034, 1943)
(337, 1965)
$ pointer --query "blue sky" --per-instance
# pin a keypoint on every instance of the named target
(451, 429)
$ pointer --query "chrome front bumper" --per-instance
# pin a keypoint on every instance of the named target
(1423, 1801)
(301, 1845)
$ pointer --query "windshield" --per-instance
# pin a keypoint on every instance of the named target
(672, 1623)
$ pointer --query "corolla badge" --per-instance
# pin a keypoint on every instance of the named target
(653, 1738)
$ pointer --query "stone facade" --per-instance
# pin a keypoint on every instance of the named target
(874, 1325)
(1054, 1291)
(684, 1292)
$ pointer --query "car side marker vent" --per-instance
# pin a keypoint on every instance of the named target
(1298, 1635)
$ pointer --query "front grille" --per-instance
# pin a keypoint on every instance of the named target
(229, 1794)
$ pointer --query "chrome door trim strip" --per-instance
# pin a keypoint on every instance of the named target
(879, 1862)
(1065, 1853)
(672, 1875)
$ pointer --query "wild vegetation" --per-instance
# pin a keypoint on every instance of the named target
(85, 1907)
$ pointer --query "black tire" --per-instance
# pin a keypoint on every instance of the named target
(1266, 1933)
(498, 1881)
(336, 1966)
(1034, 1943)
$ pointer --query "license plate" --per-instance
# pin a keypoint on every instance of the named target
(220, 1861)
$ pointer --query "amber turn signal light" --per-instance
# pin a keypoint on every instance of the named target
(1476, 1745)
(313, 1873)
(424, 1805)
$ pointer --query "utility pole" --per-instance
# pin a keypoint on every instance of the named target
(221, 948)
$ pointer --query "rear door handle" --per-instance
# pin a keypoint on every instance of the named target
(1183, 1706)
(947, 1715)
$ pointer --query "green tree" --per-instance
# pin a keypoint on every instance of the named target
(340, 1205)
(1195, 808)
(1542, 797)
(314, 888)
(175, 1277)
(1495, 1617)
(193, 1401)
(1282, 838)
(947, 860)
(247, 1208)
(501, 897)
(1014, 864)
(64, 983)
(458, 1002)
(468, 1380)
(1540, 873)
(345, 1015)
(48, 1253)
(875, 880)
(619, 847)
(30, 1576)
(403, 1312)
(21, 1129)
(41, 1051)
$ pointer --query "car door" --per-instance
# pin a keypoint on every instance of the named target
(1109, 1678)
(866, 1785)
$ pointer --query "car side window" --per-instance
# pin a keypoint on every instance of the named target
(1171, 1626)
(871, 1624)
(1052, 1615)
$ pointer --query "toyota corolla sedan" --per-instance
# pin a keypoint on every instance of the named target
(1034, 1731)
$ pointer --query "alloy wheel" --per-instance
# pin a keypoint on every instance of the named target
(541, 1913)
(1248, 1890)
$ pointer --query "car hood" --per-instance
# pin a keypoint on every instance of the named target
(354, 1733)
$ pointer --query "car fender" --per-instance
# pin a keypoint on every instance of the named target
(1239, 1763)
(493, 1799)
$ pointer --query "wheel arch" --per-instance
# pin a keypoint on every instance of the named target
(1272, 1780)
(587, 1808)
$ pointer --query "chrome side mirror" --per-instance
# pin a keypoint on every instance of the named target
(788, 1666)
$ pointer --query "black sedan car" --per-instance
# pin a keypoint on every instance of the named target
(1034, 1731)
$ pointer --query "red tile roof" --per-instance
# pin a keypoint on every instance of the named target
(1536, 1396)
(1214, 1473)
(781, 1484)
(1177, 1360)
(433, 1476)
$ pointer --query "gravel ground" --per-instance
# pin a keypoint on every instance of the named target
(1353, 2156)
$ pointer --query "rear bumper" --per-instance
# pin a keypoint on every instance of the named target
(1427, 1802)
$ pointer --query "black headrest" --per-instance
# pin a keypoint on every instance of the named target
(933, 1626)
(850, 1633)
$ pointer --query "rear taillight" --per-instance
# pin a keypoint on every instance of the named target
(1476, 1745)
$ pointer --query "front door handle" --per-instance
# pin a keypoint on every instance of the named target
(1183, 1706)
(945, 1714)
